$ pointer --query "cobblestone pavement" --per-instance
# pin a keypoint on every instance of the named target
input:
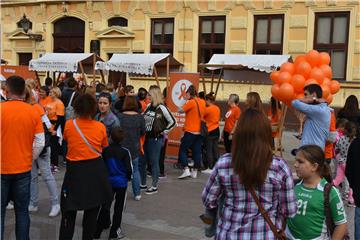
(172, 213)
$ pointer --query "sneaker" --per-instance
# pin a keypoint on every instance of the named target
(143, 187)
(33, 208)
(194, 173)
(119, 234)
(151, 190)
(10, 206)
(55, 210)
(185, 174)
(162, 176)
(137, 198)
(191, 163)
(207, 171)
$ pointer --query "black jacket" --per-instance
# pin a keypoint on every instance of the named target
(353, 169)
(66, 96)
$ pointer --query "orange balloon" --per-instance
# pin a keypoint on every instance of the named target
(311, 81)
(326, 70)
(300, 95)
(274, 76)
(325, 91)
(312, 58)
(326, 81)
(303, 68)
(286, 91)
(298, 82)
(299, 59)
(275, 89)
(334, 86)
(330, 98)
(287, 67)
(284, 77)
(324, 58)
(317, 74)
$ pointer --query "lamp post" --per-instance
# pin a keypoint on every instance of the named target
(26, 25)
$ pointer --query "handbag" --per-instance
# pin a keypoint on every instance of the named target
(203, 128)
(328, 219)
(84, 138)
(278, 233)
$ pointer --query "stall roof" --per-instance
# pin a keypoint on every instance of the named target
(263, 63)
(60, 62)
(136, 63)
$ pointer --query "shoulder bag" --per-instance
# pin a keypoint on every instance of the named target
(203, 128)
(328, 219)
(278, 233)
(84, 138)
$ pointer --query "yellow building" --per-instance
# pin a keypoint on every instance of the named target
(191, 30)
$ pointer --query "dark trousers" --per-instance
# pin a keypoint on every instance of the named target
(227, 142)
(212, 150)
(55, 150)
(162, 157)
(68, 219)
(103, 220)
(192, 141)
(16, 187)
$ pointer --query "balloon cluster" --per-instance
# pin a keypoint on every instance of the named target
(312, 68)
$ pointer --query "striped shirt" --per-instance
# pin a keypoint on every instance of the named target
(240, 217)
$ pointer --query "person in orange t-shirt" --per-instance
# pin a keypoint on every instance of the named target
(194, 110)
(85, 186)
(274, 116)
(212, 119)
(329, 144)
(44, 96)
(55, 111)
(231, 117)
(22, 140)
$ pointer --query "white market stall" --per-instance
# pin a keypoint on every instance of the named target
(247, 69)
(141, 64)
(66, 62)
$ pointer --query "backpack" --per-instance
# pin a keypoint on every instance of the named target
(160, 122)
(69, 110)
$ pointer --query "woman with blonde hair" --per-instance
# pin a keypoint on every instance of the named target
(158, 120)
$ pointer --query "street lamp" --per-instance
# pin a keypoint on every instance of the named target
(26, 25)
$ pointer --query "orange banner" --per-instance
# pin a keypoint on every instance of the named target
(22, 71)
(176, 98)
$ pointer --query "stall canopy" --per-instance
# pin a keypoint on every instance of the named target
(136, 63)
(61, 62)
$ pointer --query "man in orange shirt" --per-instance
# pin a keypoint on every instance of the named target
(194, 110)
(22, 140)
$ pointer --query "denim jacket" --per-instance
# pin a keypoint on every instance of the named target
(110, 121)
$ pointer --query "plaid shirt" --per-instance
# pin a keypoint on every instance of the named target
(240, 217)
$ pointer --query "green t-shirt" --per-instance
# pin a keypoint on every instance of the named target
(309, 221)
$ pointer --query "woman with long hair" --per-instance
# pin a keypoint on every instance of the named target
(133, 125)
(231, 117)
(86, 186)
(253, 101)
(350, 111)
(251, 166)
(158, 121)
(194, 110)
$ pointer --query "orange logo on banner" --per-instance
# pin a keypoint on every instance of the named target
(179, 83)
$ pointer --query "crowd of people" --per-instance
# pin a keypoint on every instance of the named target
(108, 138)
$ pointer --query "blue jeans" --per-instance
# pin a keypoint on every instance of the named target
(16, 187)
(135, 182)
(357, 223)
(192, 141)
(152, 149)
(43, 163)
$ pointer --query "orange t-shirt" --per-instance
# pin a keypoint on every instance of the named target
(212, 117)
(44, 101)
(231, 117)
(328, 145)
(19, 124)
(39, 109)
(192, 119)
(143, 105)
(95, 133)
(274, 120)
(54, 108)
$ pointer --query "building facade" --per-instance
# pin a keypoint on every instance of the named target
(190, 30)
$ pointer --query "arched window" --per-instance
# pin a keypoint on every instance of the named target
(118, 21)
(69, 35)
(69, 25)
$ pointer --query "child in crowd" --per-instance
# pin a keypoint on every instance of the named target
(118, 162)
(310, 219)
(340, 125)
(341, 148)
